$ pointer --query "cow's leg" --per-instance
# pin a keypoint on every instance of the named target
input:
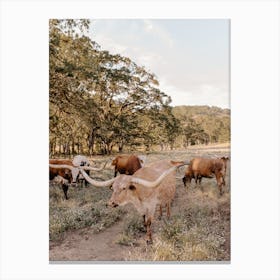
(221, 189)
(199, 182)
(160, 211)
(168, 210)
(223, 185)
(86, 182)
(149, 231)
(147, 224)
(184, 180)
(116, 171)
(65, 189)
(220, 183)
(196, 178)
(144, 220)
(149, 217)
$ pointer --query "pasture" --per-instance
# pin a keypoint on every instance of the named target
(83, 228)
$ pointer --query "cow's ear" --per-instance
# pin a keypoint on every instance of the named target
(132, 187)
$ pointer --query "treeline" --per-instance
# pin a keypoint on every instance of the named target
(101, 103)
(202, 125)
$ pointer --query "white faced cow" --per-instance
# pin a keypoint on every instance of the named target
(67, 172)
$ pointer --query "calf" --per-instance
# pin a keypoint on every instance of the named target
(208, 168)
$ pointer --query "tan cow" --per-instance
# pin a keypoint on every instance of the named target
(148, 187)
(208, 168)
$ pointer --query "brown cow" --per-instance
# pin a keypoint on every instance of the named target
(65, 170)
(68, 171)
(127, 164)
(145, 189)
(207, 168)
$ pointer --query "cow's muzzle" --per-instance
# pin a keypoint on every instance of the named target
(113, 204)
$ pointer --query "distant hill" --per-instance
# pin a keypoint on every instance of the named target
(203, 124)
(195, 111)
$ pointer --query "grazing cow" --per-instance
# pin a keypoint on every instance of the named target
(80, 160)
(145, 189)
(207, 168)
(66, 172)
(127, 164)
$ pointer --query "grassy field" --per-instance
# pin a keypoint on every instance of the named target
(198, 230)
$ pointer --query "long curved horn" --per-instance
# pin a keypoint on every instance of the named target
(97, 183)
(180, 163)
(61, 166)
(153, 184)
(93, 168)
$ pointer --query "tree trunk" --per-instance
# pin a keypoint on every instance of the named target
(91, 143)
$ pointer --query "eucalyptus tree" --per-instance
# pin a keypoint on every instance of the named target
(105, 93)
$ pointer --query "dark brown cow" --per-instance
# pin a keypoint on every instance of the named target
(148, 187)
(207, 168)
(67, 174)
(127, 164)
(68, 171)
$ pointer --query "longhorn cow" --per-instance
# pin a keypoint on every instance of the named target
(145, 189)
(68, 171)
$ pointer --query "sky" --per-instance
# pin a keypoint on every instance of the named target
(190, 57)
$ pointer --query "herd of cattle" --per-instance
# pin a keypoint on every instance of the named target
(145, 186)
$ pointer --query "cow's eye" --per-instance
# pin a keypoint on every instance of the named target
(132, 188)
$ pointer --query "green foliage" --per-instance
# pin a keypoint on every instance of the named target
(203, 124)
(96, 99)
(100, 102)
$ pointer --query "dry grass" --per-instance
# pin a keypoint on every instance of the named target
(198, 230)
(86, 207)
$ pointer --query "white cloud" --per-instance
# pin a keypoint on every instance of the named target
(186, 69)
(199, 95)
(109, 44)
(156, 30)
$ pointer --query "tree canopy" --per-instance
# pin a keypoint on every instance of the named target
(100, 102)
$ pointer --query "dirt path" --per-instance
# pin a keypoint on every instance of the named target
(83, 245)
